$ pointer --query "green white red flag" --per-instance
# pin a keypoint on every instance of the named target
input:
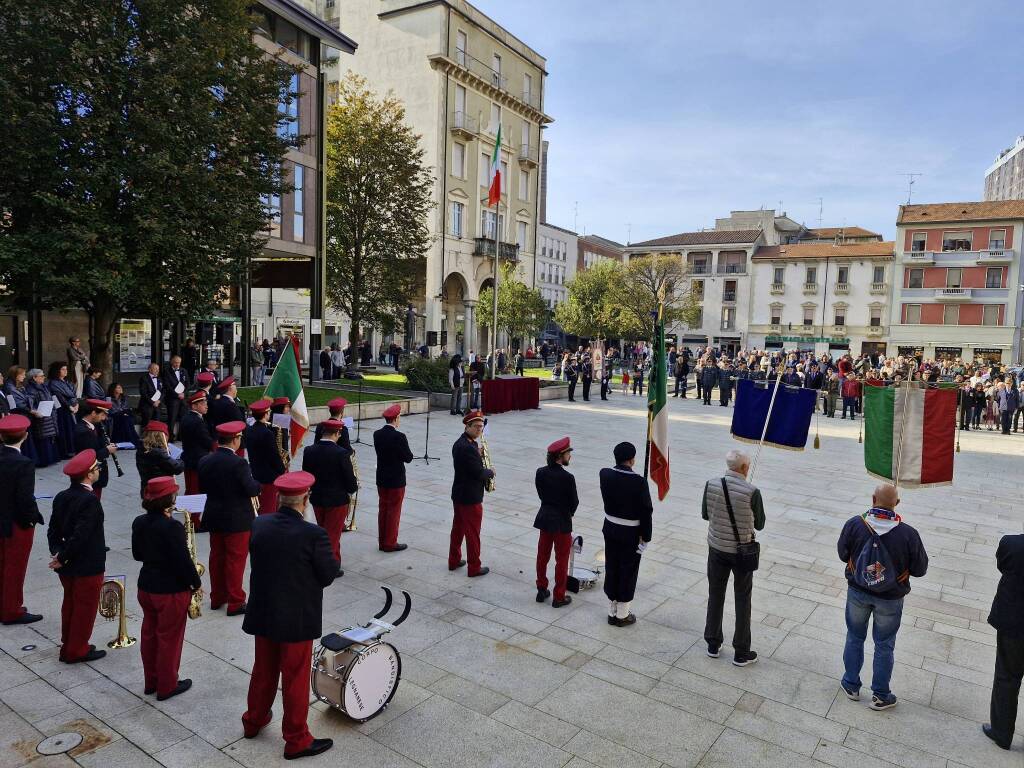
(657, 410)
(494, 190)
(287, 382)
(909, 434)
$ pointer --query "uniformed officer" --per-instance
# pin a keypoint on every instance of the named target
(571, 373)
(19, 516)
(556, 488)
(627, 531)
(79, 555)
(226, 408)
(392, 448)
(196, 441)
(291, 565)
(204, 384)
(468, 496)
(230, 488)
(587, 374)
(166, 582)
(264, 455)
(336, 408)
(91, 434)
(331, 467)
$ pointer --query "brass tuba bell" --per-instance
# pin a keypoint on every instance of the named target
(112, 595)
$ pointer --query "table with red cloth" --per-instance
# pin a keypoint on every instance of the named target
(518, 393)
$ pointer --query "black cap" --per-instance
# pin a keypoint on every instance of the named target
(623, 452)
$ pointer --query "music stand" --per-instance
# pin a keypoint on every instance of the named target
(426, 439)
(359, 412)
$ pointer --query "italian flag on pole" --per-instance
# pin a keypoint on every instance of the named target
(657, 427)
(494, 192)
(909, 434)
(287, 382)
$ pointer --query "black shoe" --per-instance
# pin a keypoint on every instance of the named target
(461, 563)
(25, 618)
(542, 595)
(482, 572)
(149, 691)
(240, 610)
(181, 687)
(451, 413)
(396, 548)
(631, 619)
(744, 659)
(92, 655)
(713, 650)
(339, 574)
(560, 603)
(613, 621)
(987, 730)
(318, 746)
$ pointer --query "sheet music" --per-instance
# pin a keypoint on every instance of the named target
(56, 402)
(349, 422)
(156, 396)
(193, 503)
(45, 408)
(179, 389)
(125, 446)
(174, 451)
(11, 403)
(282, 420)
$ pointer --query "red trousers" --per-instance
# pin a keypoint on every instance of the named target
(291, 663)
(78, 614)
(228, 553)
(562, 544)
(268, 498)
(332, 520)
(191, 481)
(466, 525)
(163, 634)
(388, 515)
(14, 552)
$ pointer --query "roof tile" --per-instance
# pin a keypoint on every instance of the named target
(709, 237)
(953, 212)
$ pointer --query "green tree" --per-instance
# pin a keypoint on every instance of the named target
(522, 311)
(139, 141)
(644, 282)
(379, 193)
(589, 309)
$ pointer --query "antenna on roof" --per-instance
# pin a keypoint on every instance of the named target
(821, 208)
(629, 232)
(575, 215)
(910, 184)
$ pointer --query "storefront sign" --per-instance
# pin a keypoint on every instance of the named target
(948, 353)
(809, 339)
(912, 351)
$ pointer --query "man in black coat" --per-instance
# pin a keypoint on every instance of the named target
(264, 457)
(331, 467)
(196, 442)
(229, 486)
(225, 408)
(556, 488)
(79, 555)
(149, 384)
(393, 453)
(1007, 616)
(90, 433)
(587, 374)
(680, 371)
(468, 486)
(709, 378)
(172, 377)
(291, 565)
(572, 375)
(627, 531)
(19, 516)
(336, 408)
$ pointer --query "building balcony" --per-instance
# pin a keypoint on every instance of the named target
(953, 294)
(484, 246)
(528, 157)
(732, 269)
(991, 256)
(775, 328)
(484, 73)
(699, 269)
(728, 297)
(810, 289)
(838, 330)
(878, 288)
(805, 330)
(919, 257)
(842, 288)
(778, 288)
(876, 330)
(463, 126)
(727, 326)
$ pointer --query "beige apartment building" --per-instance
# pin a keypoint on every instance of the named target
(459, 75)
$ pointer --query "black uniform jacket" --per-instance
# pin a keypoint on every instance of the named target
(159, 543)
(85, 438)
(17, 499)
(222, 410)
(147, 389)
(290, 564)
(195, 439)
(331, 465)
(156, 462)
(393, 454)
(626, 495)
(261, 448)
(344, 441)
(75, 534)
(1007, 613)
(229, 486)
(558, 499)
(170, 378)
(470, 474)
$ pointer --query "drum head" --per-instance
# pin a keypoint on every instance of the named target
(371, 682)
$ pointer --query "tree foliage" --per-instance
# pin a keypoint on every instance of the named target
(589, 310)
(137, 142)
(644, 282)
(379, 194)
(522, 311)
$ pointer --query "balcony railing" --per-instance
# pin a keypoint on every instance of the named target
(484, 246)
(494, 78)
(842, 288)
(953, 294)
(699, 269)
(919, 257)
(731, 269)
(729, 296)
(778, 287)
(528, 156)
(463, 125)
(839, 330)
(878, 288)
(876, 330)
(995, 256)
(810, 288)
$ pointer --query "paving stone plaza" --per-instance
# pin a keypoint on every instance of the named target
(492, 678)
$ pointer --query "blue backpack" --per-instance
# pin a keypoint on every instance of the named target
(872, 569)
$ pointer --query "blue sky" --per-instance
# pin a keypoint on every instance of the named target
(670, 113)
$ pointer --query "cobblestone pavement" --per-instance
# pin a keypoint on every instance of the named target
(492, 678)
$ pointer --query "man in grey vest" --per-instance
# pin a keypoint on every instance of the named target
(748, 512)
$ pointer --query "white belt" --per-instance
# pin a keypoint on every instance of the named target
(622, 521)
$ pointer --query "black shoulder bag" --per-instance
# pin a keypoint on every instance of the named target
(748, 555)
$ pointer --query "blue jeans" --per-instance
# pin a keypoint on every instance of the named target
(888, 613)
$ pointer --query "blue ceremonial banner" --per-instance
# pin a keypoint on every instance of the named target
(791, 414)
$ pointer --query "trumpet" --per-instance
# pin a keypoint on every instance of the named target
(195, 605)
(112, 595)
(350, 519)
(485, 456)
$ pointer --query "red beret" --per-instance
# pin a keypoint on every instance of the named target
(15, 424)
(81, 463)
(560, 445)
(223, 386)
(260, 406)
(281, 401)
(392, 412)
(230, 428)
(156, 426)
(332, 425)
(338, 402)
(472, 416)
(206, 378)
(294, 483)
(102, 405)
(198, 397)
(160, 486)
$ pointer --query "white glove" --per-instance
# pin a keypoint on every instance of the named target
(642, 546)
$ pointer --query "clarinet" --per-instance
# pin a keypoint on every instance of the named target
(113, 456)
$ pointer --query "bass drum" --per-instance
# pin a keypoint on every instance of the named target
(359, 679)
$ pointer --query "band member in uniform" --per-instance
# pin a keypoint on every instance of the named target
(291, 565)
(336, 407)
(204, 383)
(225, 478)
(90, 434)
(264, 456)
(166, 582)
(558, 502)
(627, 531)
(195, 441)
(282, 406)
(471, 477)
(226, 408)
(331, 467)
(392, 448)
(79, 555)
(18, 518)
(153, 459)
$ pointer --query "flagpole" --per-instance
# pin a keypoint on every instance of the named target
(764, 430)
(650, 383)
(497, 251)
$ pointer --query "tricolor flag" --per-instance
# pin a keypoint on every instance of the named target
(909, 434)
(287, 382)
(657, 412)
(494, 192)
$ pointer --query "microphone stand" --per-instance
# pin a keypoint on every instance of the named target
(359, 413)
(426, 439)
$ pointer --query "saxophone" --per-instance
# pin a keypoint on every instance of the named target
(350, 521)
(195, 605)
(485, 456)
(283, 446)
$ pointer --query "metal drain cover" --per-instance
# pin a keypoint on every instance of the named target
(59, 743)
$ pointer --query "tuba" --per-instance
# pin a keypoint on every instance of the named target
(195, 605)
(283, 440)
(111, 607)
(485, 456)
(350, 520)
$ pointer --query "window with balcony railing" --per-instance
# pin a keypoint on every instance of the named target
(728, 295)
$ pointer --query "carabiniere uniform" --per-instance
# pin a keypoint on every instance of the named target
(261, 442)
(627, 522)
(19, 516)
